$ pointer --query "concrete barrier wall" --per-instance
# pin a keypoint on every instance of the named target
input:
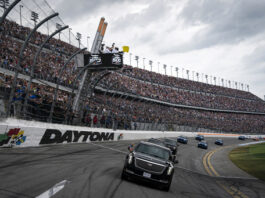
(21, 133)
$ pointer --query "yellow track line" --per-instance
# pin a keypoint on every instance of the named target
(210, 164)
(205, 164)
(234, 192)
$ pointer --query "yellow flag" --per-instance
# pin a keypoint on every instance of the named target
(125, 48)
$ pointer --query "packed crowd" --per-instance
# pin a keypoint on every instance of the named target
(142, 82)
(141, 111)
(176, 96)
(107, 111)
(181, 83)
(50, 61)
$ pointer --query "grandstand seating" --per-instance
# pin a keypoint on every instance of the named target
(119, 109)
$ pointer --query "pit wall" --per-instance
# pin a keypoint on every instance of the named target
(21, 133)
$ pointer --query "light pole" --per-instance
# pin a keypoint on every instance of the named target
(182, 72)
(229, 83)
(87, 40)
(59, 26)
(197, 74)
(222, 82)
(206, 77)
(214, 78)
(143, 63)
(137, 58)
(70, 35)
(165, 67)
(130, 59)
(151, 65)
(78, 37)
(177, 71)
(20, 7)
(188, 74)
(34, 17)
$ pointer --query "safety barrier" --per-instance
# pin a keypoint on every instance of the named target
(22, 133)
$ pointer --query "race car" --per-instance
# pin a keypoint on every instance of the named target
(219, 142)
(203, 145)
(151, 163)
(182, 139)
(241, 137)
(199, 137)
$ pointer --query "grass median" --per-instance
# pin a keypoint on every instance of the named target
(251, 159)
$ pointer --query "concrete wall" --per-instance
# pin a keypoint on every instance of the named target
(21, 133)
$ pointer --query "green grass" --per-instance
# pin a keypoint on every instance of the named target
(251, 159)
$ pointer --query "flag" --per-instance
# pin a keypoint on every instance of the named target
(125, 48)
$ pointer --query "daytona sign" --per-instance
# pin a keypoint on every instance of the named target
(52, 136)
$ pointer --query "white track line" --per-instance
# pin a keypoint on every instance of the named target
(53, 190)
(251, 143)
(113, 149)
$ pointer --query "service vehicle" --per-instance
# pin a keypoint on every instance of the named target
(173, 146)
(151, 163)
(157, 141)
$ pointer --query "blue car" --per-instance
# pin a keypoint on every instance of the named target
(182, 139)
(219, 142)
(203, 145)
(199, 137)
(241, 137)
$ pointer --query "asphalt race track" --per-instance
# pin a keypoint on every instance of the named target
(93, 170)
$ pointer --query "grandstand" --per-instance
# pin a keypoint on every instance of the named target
(130, 98)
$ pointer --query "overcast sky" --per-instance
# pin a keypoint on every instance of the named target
(222, 38)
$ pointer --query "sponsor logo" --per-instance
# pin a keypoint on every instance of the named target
(95, 59)
(116, 59)
(120, 137)
(52, 136)
(14, 137)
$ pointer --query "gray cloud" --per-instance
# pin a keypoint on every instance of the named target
(154, 13)
(227, 22)
(76, 10)
(255, 61)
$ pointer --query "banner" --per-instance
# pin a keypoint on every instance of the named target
(104, 60)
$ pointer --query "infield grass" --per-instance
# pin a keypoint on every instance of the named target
(251, 159)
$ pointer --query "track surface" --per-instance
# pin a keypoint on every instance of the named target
(93, 170)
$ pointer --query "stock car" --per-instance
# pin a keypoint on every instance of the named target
(199, 137)
(203, 145)
(219, 142)
(241, 137)
(151, 163)
(182, 139)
